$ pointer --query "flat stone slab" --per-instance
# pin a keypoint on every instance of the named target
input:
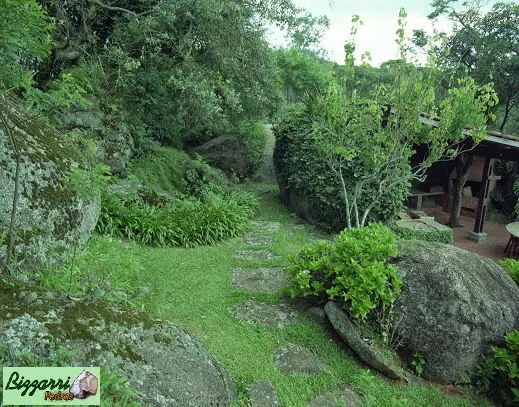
(270, 227)
(344, 397)
(263, 394)
(255, 255)
(260, 280)
(255, 239)
(293, 359)
(279, 315)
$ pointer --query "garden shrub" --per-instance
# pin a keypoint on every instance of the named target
(199, 207)
(161, 170)
(498, 373)
(299, 163)
(254, 137)
(429, 235)
(511, 267)
(354, 270)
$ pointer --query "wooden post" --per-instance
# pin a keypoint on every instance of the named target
(481, 211)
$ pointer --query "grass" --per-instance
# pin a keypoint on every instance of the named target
(191, 288)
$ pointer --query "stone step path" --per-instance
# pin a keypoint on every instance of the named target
(263, 394)
(290, 359)
(269, 227)
(260, 280)
(344, 397)
(255, 239)
(293, 359)
(255, 255)
(258, 313)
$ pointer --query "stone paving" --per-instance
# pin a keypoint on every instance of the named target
(289, 358)
(259, 280)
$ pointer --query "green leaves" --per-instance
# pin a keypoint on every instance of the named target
(354, 270)
(24, 37)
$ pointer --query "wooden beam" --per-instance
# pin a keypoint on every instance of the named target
(483, 195)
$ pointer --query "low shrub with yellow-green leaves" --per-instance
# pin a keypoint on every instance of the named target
(354, 270)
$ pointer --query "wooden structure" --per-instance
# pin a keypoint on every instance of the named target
(419, 194)
(470, 199)
(495, 145)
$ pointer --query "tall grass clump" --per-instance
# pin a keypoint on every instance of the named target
(205, 210)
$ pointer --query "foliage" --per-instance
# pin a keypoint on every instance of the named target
(483, 45)
(300, 163)
(418, 363)
(302, 73)
(503, 196)
(24, 38)
(162, 169)
(254, 137)
(374, 138)
(88, 184)
(429, 235)
(354, 270)
(511, 267)
(200, 179)
(187, 222)
(498, 373)
(180, 71)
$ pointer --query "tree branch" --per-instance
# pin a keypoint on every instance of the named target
(123, 10)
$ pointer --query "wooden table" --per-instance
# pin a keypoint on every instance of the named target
(512, 248)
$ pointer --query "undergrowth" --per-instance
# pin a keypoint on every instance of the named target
(201, 208)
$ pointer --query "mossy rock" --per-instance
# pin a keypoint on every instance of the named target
(51, 217)
(163, 364)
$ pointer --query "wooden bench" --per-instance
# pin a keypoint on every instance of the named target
(419, 194)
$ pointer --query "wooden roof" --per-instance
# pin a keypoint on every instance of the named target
(495, 144)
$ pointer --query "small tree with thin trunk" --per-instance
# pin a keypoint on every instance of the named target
(373, 139)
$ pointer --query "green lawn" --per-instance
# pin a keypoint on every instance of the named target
(190, 287)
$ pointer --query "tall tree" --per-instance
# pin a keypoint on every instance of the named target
(487, 46)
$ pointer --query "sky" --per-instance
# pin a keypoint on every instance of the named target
(377, 34)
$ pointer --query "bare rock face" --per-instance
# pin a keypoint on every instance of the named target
(51, 216)
(454, 305)
(163, 364)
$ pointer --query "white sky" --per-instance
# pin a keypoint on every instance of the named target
(377, 35)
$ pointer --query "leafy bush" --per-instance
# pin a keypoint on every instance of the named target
(354, 270)
(200, 179)
(300, 164)
(498, 374)
(161, 170)
(253, 137)
(511, 267)
(429, 235)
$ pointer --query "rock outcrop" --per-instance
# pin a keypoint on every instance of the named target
(51, 217)
(228, 153)
(454, 305)
(163, 364)
(345, 329)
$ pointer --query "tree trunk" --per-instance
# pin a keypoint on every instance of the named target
(464, 164)
(346, 199)
(505, 118)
